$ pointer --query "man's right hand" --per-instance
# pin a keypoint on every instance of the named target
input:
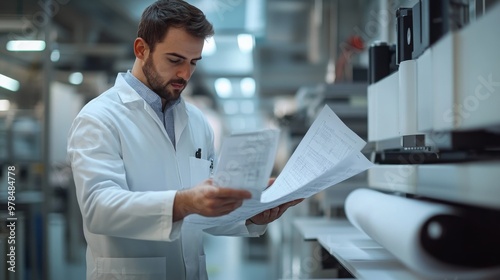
(207, 200)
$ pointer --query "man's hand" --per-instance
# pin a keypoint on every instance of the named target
(272, 214)
(208, 200)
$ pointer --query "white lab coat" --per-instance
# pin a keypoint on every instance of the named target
(126, 173)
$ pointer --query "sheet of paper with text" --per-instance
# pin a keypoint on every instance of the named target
(328, 154)
(246, 161)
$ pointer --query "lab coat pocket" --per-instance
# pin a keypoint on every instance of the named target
(199, 169)
(131, 268)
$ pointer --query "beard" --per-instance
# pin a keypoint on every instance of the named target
(158, 85)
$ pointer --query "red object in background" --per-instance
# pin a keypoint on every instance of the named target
(354, 44)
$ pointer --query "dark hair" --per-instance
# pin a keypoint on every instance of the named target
(163, 14)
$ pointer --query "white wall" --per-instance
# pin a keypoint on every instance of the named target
(65, 103)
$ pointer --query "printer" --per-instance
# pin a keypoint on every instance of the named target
(434, 124)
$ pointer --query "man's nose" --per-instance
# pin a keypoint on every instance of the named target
(185, 71)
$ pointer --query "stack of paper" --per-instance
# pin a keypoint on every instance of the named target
(328, 154)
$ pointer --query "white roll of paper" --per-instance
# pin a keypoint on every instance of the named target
(408, 97)
(396, 223)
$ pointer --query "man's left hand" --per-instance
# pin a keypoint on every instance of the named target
(272, 214)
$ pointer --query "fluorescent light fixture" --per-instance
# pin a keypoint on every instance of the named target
(247, 86)
(4, 105)
(209, 48)
(247, 107)
(25, 45)
(55, 55)
(9, 83)
(246, 43)
(223, 87)
(75, 78)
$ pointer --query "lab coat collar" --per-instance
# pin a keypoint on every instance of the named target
(128, 95)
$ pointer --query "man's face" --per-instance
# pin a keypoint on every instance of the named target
(170, 66)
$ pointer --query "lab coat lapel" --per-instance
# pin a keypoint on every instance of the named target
(129, 95)
(154, 116)
(180, 119)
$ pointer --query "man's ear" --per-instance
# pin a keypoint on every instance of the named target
(141, 49)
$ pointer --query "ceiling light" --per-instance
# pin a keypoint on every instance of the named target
(55, 55)
(9, 83)
(4, 105)
(76, 78)
(245, 43)
(223, 87)
(247, 86)
(25, 45)
(209, 48)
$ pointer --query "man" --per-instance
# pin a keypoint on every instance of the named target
(141, 158)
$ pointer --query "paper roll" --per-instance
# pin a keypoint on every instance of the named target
(408, 97)
(416, 232)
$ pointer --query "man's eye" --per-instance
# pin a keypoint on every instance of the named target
(193, 63)
(175, 60)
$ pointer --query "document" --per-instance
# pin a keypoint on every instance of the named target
(328, 154)
(246, 161)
